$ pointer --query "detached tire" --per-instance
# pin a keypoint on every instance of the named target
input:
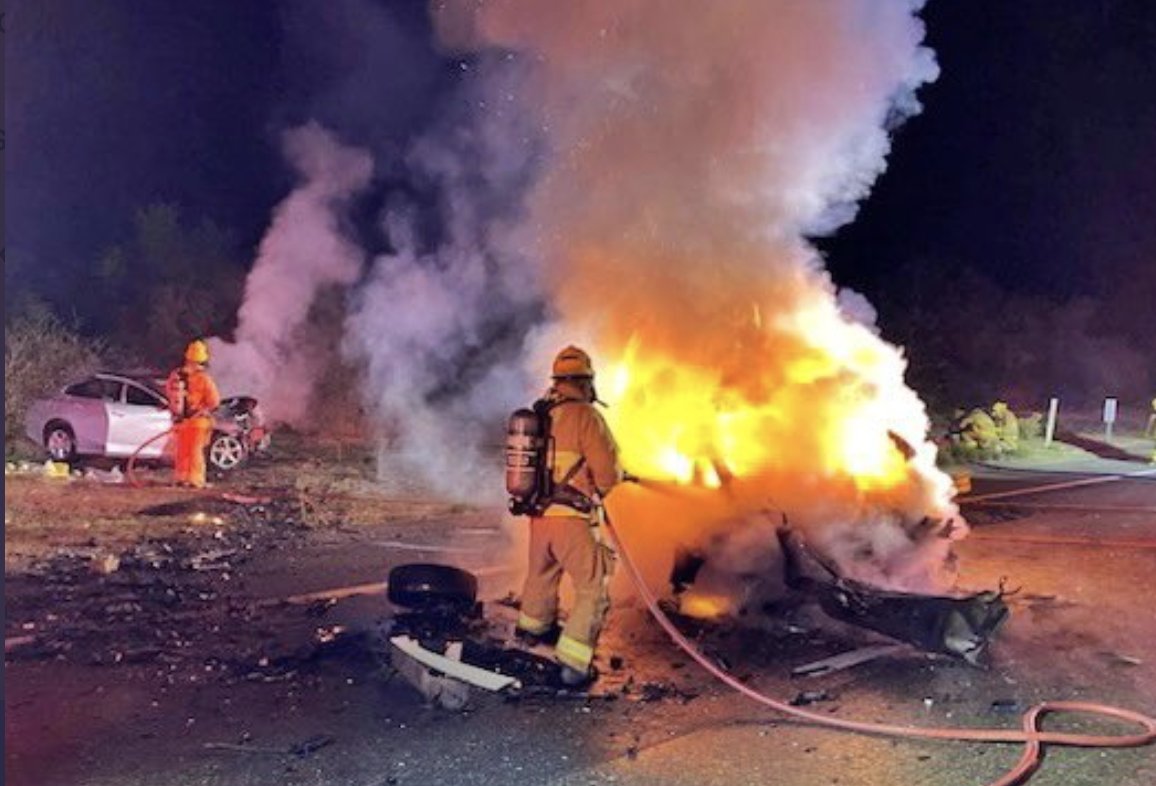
(427, 586)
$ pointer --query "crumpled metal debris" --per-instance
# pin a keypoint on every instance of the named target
(958, 626)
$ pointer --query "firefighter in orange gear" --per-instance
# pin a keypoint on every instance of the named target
(192, 398)
(566, 538)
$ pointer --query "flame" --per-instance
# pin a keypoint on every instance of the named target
(704, 606)
(824, 403)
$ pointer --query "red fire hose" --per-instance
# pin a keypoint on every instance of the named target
(1032, 735)
(132, 459)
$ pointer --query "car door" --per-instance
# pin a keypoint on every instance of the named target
(137, 420)
(83, 407)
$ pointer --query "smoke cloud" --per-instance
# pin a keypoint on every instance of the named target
(641, 177)
(692, 153)
(275, 355)
(439, 322)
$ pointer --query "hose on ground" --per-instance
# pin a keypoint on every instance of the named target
(1032, 735)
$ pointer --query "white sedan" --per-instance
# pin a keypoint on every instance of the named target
(117, 415)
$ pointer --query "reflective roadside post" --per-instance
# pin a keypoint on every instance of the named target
(1109, 417)
(1050, 429)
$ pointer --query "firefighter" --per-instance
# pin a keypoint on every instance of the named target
(1150, 429)
(192, 398)
(1007, 425)
(978, 433)
(565, 538)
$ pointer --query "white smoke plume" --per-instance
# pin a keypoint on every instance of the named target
(641, 177)
(693, 150)
(274, 356)
(440, 320)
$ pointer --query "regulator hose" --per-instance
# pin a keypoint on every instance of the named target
(1032, 736)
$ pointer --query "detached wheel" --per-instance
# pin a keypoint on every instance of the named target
(226, 452)
(60, 442)
(428, 586)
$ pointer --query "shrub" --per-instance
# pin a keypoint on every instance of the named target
(41, 354)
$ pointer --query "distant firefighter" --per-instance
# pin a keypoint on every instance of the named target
(1008, 426)
(192, 397)
(1150, 429)
(978, 433)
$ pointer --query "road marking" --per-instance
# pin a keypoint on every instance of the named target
(401, 545)
(1063, 540)
(1057, 486)
(1064, 506)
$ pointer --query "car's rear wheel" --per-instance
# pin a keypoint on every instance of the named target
(60, 441)
(226, 452)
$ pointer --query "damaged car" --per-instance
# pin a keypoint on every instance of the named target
(958, 625)
(113, 415)
(961, 626)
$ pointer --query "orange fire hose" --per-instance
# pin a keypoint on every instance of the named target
(1032, 735)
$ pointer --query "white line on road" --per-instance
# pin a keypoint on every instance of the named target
(401, 545)
(1057, 486)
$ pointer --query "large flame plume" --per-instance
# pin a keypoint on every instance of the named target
(695, 149)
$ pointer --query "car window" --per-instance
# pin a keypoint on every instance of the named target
(105, 389)
(141, 397)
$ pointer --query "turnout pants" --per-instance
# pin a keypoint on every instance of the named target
(570, 545)
(191, 437)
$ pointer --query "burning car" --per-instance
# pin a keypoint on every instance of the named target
(114, 415)
(958, 625)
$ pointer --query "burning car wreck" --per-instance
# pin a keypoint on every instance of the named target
(960, 626)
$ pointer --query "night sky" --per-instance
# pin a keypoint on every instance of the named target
(1032, 168)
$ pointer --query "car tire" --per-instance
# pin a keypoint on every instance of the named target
(226, 451)
(425, 586)
(60, 441)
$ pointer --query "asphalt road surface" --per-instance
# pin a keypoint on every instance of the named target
(261, 701)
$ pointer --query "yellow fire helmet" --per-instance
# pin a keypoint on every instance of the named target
(999, 407)
(197, 352)
(573, 362)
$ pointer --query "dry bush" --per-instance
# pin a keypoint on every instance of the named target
(41, 354)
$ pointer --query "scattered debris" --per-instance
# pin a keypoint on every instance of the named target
(1119, 659)
(301, 750)
(1007, 707)
(310, 746)
(106, 563)
(958, 626)
(57, 470)
(112, 476)
(806, 697)
(847, 660)
(15, 642)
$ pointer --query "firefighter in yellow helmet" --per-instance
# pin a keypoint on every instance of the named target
(978, 433)
(565, 538)
(192, 397)
(1007, 426)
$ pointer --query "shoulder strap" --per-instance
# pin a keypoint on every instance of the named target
(572, 471)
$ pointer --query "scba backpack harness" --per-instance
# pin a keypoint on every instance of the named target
(530, 464)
